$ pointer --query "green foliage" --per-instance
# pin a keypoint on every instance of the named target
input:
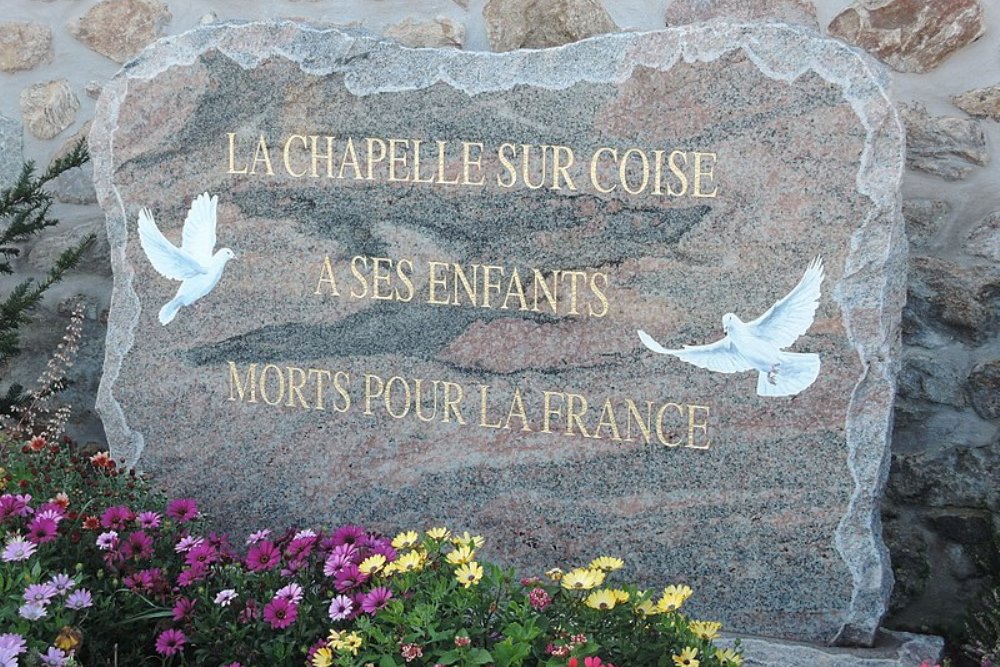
(152, 573)
(24, 212)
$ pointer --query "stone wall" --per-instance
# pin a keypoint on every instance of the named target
(943, 503)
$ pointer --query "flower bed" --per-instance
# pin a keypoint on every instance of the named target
(97, 569)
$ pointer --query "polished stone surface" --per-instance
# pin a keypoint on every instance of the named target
(767, 506)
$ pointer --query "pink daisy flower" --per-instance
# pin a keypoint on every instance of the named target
(170, 642)
(262, 556)
(182, 509)
(280, 613)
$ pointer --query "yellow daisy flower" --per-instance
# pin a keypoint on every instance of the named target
(582, 579)
(412, 561)
(707, 630)
(372, 564)
(405, 540)
(647, 608)
(621, 596)
(322, 658)
(439, 534)
(673, 598)
(334, 641)
(461, 556)
(607, 563)
(353, 642)
(389, 570)
(687, 658)
(469, 574)
(555, 574)
(465, 539)
(728, 657)
(602, 599)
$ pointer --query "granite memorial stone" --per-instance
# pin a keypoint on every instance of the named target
(639, 295)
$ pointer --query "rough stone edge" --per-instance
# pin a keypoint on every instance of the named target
(369, 66)
(897, 649)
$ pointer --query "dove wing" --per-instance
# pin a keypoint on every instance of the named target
(198, 237)
(170, 261)
(792, 316)
(720, 356)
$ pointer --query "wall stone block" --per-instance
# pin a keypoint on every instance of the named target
(984, 389)
(946, 146)
(49, 108)
(789, 11)
(924, 219)
(962, 299)
(119, 29)
(440, 32)
(24, 46)
(11, 150)
(536, 24)
(981, 102)
(910, 35)
(983, 239)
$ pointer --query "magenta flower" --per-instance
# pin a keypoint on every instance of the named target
(183, 609)
(262, 556)
(117, 517)
(341, 608)
(375, 599)
(300, 547)
(138, 545)
(203, 555)
(348, 578)
(191, 575)
(149, 520)
(170, 642)
(182, 509)
(42, 530)
(17, 548)
(11, 505)
(280, 613)
(349, 534)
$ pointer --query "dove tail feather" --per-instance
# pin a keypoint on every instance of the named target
(797, 372)
(169, 310)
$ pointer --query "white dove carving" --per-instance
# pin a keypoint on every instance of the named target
(193, 263)
(759, 345)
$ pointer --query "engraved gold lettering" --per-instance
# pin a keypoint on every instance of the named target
(326, 276)
(359, 259)
(395, 159)
(468, 161)
(434, 282)
(232, 156)
(706, 173)
(286, 155)
(241, 388)
(702, 426)
(507, 165)
(262, 155)
(593, 168)
(660, 434)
